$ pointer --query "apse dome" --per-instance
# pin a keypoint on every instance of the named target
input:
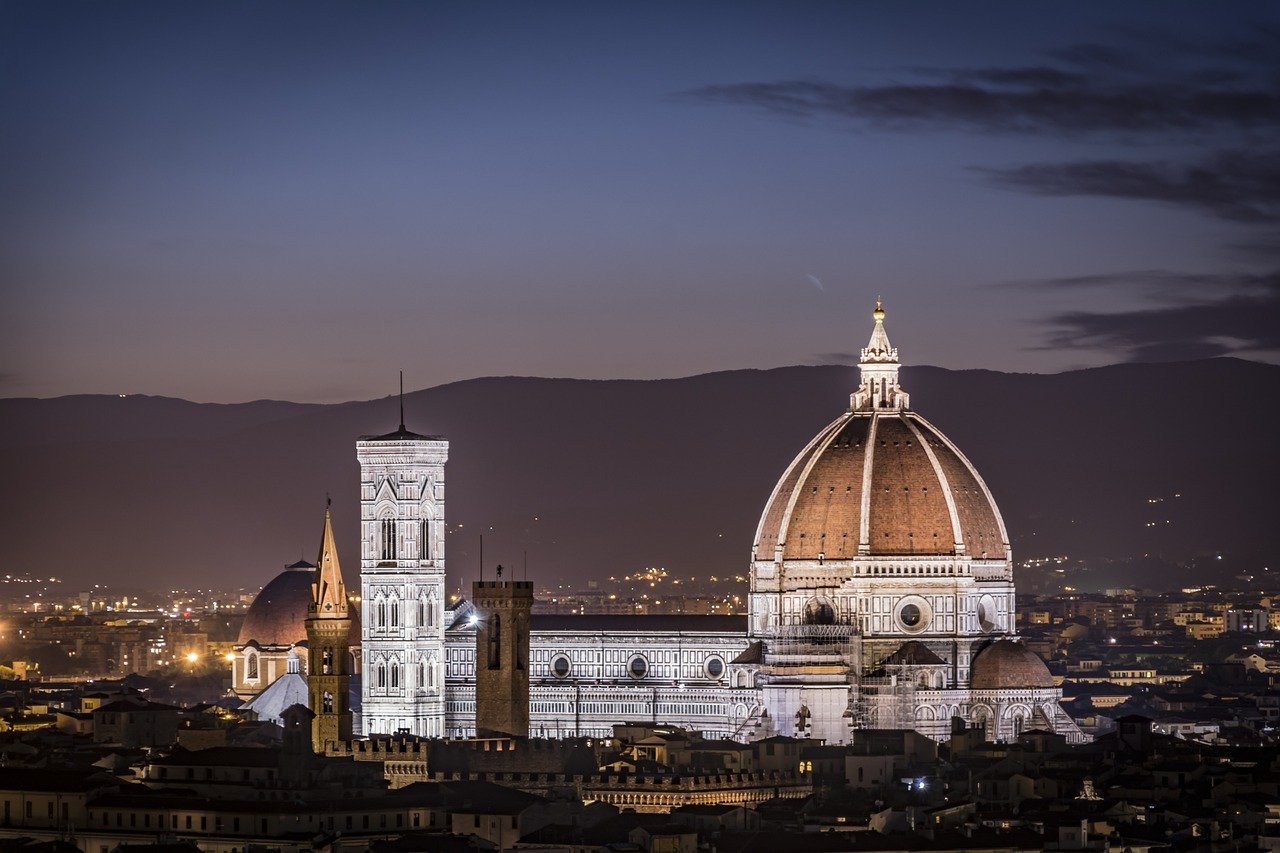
(880, 481)
(278, 615)
(1006, 665)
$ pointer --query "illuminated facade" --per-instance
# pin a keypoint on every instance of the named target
(881, 596)
(402, 582)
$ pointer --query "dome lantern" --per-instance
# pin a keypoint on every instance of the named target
(878, 366)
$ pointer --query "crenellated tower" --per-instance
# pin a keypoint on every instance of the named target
(402, 581)
(328, 656)
(503, 611)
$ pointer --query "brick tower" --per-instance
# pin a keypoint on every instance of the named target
(328, 656)
(502, 656)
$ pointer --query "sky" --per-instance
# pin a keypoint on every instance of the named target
(234, 201)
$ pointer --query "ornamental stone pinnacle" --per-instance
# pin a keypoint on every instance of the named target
(328, 593)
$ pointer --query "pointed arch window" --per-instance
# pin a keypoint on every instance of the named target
(382, 675)
(382, 612)
(387, 538)
(424, 541)
(422, 612)
(495, 641)
(422, 674)
(395, 613)
(395, 675)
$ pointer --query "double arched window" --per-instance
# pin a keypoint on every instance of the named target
(387, 539)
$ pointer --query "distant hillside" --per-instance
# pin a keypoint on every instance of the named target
(600, 477)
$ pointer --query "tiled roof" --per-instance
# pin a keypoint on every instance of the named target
(921, 497)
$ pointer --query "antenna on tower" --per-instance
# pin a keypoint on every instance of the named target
(481, 558)
(402, 401)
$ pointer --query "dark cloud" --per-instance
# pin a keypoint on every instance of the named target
(1094, 56)
(1209, 316)
(1065, 110)
(1154, 85)
(1258, 248)
(822, 358)
(1236, 185)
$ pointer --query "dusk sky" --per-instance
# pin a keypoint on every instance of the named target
(225, 202)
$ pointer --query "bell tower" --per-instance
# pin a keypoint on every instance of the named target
(328, 656)
(402, 584)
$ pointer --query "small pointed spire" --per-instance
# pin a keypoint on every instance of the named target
(328, 593)
(878, 349)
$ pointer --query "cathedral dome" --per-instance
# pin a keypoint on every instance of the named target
(1006, 665)
(880, 481)
(278, 615)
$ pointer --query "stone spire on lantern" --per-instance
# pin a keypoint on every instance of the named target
(879, 389)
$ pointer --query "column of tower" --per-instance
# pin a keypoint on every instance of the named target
(402, 582)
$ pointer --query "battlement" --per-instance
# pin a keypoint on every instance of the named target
(401, 749)
(517, 589)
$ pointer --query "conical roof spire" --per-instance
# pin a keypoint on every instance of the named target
(328, 593)
(878, 350)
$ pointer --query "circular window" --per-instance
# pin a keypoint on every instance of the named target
(913, 614)
(987, 615)
(638, 667)
(715, 667)
(560, 666)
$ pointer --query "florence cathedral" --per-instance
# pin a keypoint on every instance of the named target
(881, 597)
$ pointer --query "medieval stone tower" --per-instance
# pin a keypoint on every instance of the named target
(328, 656)
(402, 585)
(502, 656)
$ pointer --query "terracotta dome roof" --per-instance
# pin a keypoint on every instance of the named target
(1008, 665)
(889, 482)
(880, 481)
(278, 614)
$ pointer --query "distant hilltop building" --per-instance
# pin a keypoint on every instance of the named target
(881, 596)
